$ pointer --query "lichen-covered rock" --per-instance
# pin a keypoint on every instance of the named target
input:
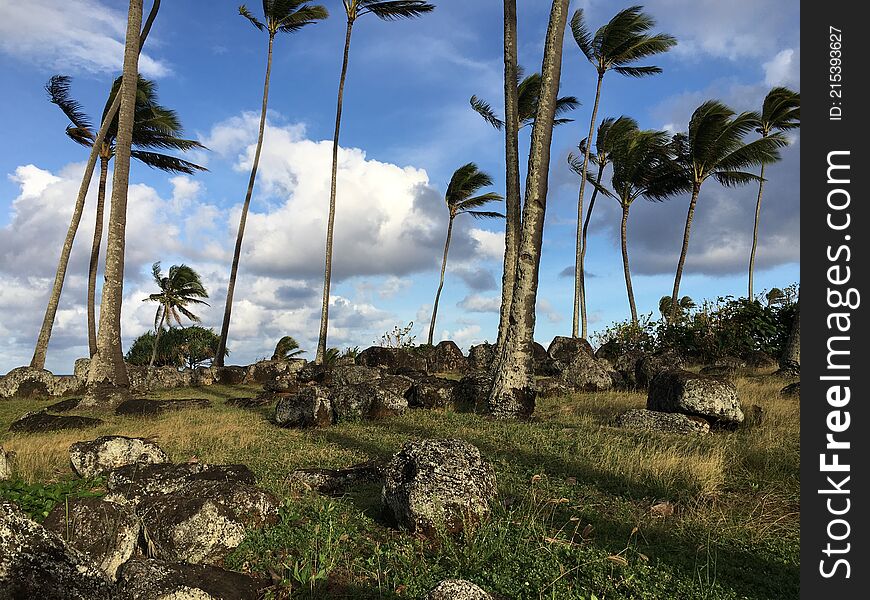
(647, 367)
(564, 349)
(231, 375)
(472, 391)
(38, 564)
(203, 376)
(431, 392)
(106, 532)
(552, 387)
(6, 464)
(393, 360)
(39, 421)
(152, 579)
(582, 371)
(313, 373)
(266, 371)
(692, 394)
(63, 406)
(543, 364)
(361, 401)
(480, 357)
(27, 383)
(792, 390)
(80, 369)
(433, 484)
(352, 375)
(310, 407)
(143, 379)
(336, 481)
(624, 363)
(134, 483)
(446, 357)
(457, 589)
(96, 457)
(399, 385)
(205, 520)
(651, 420)
(145, 407)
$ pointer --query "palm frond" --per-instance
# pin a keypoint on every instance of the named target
(484, 214)
(581, 34)
(165, 162)
(393, 10)
(478, 201)
(486, 111)
(58, 90)
(638, 71)
(243, 10)
(735, 178)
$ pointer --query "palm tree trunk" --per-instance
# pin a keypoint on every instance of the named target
(583, 247)
(441, 284)
(41, 348)
(234, 270)
(156, 340)
(330, 226)
(624, 238)
(791, 356)
(579, 279)
(513, 392)
(513, 206)
(685, 250)
(95, 256)
(107, 376)
(755, 233)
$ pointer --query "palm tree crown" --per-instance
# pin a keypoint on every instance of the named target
(285, 16)
(387, 10)
(179, 288)
(287, 347)
(780, 111)
(461, 193)
(637, 161)
(528, 94)
(610, 132)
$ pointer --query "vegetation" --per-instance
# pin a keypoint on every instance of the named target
(287, 348)
(188, 347)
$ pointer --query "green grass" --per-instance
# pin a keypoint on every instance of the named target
(572, 520)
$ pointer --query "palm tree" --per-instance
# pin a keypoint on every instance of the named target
(513, 393)
(286, 348)
(41, 347)
(179, 288)
(683, 306)
(614, 46)
(461, 198)
(528, 94)
(637, 160)
(386, 10)
(779, 112)
(714, 148)
(155, 128)
(280, 16)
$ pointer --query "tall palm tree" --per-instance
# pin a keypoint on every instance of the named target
(528, 94)
(155, 128)
(779, 112)
(41, 347)
(637, 160)
(108, 382)
(287, 347)
(386, 10)
(714, 148)
(181, 287)
(624, 40)
(513, 392)
(462, 198)
(280, 16)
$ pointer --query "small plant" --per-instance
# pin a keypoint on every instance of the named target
(38, 499)
(398, 337)
(287, 348)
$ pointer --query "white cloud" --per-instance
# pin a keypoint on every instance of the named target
(479, 303)
(69, 35)
(490, 244)
(783, 69)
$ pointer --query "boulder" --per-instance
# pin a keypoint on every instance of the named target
(431, 392)
(651, 420)
(393, 360)
(106, 532)
(134, 483)
(143, 407)
(6, 458)
(457, 589)
(564, 349)
(97, 457)
(202, 376)
(64, 406)
(80, 369)
(472, 391)
(446, 357)
(435, 484)
(647, 367)
(356, 402)
(205, 520)
(36, 563)
(143, 379)
(151, 579)
(27, 383)
(543, 364)
(400, 385)
(310, 407)
(351, 375)
(313, 373)
(624, 363)
(792, 390)
(585, 372)
(265, 398)
(552, 387)
(480, 357)
(40, 421)
(231, 375)
(336, 481)
(692, 394)
(265, 371)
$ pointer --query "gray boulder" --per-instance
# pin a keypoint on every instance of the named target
(106, 532)
(472, 391)
(336, 481)
(134, 483)
(435, 484)
(457, 589)
(151, 579)
(356, 402)
(352, 375)
(99, 456)
(552, 387)
(40, 421)
(431, 392)
(651, 420)
(27, 383)
(393, 360)
(310, 407)
(583, 372)
(264, 398)
(647, 367)
(266, 371)
(692, 394)
(480, 357)
(564, 349)
(446, 357)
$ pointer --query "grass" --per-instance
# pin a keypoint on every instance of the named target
(573, 518)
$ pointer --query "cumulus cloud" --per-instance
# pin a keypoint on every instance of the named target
(783, 69)
(70, 35)
(480, 303)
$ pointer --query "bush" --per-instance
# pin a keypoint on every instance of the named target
(189, 347)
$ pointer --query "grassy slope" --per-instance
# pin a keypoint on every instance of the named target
(734, 533)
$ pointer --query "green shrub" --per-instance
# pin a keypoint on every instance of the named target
(38, 499)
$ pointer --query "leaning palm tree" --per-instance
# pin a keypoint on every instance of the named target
(714, 148)
(286, 348)
(154, 128)
(181, 287)
(528, 94)
(462, 198)
(386, 10)
(779, 112)
(615, 46)
(41, 347)
(280, 16)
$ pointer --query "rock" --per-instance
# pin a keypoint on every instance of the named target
(231, 375)
(724, 371)
(263, 399)
(692, 394)
(27, 383)
(400, 385)
(63, 406)
(36, 422)
(6, 464)
(543, 364)
(564, 349)
(202, 376)
(393, 360)
(647, 367)
(431, 392)
(791, 391)
(145, 407)
(431, 484)
(106, 532)
(446, 357)
(151, 579)
(585, 372)
(356, 402)
(552, 387)
(731, 361)
(80, 369)
(38, 564)
(336, 481)
(265, 371)
(650, 420)
(310, 407)
(312, 373)
(480, 357)
(457, 589)
(99, 456)
(205, 520)
(472, 391)
(624, 363)
(351, 375)
(143, 379)
(134, 483)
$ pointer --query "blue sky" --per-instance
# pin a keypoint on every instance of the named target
(406, 127)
